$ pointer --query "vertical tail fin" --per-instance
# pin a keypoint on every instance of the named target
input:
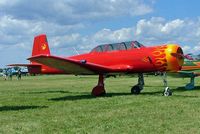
(40, 45)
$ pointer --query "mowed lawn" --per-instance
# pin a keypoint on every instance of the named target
(63, 104)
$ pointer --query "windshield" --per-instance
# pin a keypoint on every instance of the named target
(118, 46)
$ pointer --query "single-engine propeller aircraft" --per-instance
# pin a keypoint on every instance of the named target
(126, 57)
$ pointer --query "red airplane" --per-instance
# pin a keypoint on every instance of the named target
(125, 57)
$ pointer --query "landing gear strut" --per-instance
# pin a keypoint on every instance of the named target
(167, 91)
(99, 90)
(191, 84)
(137, 88)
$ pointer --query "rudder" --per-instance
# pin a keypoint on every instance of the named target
(40, 45)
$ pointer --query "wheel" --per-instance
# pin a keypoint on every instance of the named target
(167, 92)
(98, 91)
(135, 89)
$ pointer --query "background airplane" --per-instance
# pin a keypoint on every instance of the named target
(125, 57)
(190, 69)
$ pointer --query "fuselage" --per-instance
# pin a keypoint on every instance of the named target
(144, 59)
(125, 57)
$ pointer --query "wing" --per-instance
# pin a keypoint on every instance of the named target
(24, 65)
(75, 66)
(185, 74)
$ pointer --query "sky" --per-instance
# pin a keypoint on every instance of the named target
(80, 25)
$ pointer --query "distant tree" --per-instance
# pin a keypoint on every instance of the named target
(1, 70)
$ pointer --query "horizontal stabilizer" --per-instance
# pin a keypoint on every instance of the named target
(24, 65)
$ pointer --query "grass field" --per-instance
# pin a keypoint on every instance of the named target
(63, 104)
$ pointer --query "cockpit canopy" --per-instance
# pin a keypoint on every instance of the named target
(118, 46)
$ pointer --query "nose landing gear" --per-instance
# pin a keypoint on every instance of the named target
(167, 91)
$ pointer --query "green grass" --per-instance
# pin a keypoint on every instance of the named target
(63, 104)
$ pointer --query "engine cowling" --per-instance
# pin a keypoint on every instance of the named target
(168, 58)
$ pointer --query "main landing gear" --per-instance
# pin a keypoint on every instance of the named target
(137, 88)
(99, 90)
(167, 91)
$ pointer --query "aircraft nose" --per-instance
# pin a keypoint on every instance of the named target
(168, 57)
(179, 56)
(175, 57)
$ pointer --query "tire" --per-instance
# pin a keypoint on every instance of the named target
(167, 92)
(135, 90)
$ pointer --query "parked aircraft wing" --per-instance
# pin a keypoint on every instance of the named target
(185, 74)
(74, 66)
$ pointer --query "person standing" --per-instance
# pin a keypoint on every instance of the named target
(19, 74)
(5, 74)
(10, 73)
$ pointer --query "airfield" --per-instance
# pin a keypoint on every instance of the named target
(63, 104)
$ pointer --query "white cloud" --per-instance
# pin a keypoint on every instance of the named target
(107, 35)
(197, 48)
(84, 43)
(149, 32)
(65, 41)
(186, 49)
(198, 32)
(19, 21)
(14, 31)
(73, 11)
(171, 26)
(158, 30)
(191, 49)
(6, 3)
(159, 26)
